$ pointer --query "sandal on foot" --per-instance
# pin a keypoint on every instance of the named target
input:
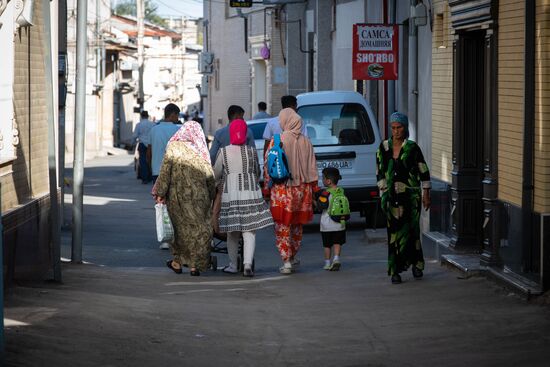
(195, 273)
(176, 270)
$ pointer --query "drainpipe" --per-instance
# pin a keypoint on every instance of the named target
(55, 234)
(413, 72)
(79, 130)
(240, 14)
(528, 136)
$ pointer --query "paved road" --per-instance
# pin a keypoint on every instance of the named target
(126, 308)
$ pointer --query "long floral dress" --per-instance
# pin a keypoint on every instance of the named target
(187, 182)
(291, 208)
(400, 181)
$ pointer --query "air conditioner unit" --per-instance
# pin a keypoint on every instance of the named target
(127, 65)
(206, 60)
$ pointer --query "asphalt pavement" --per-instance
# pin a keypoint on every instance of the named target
(124, 307)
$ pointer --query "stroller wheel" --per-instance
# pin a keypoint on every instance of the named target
(214, 263)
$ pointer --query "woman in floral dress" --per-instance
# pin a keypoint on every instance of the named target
(404, 181)
(186, 184)
(291, 202)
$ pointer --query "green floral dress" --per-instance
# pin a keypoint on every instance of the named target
(187, 182)
(401, 181)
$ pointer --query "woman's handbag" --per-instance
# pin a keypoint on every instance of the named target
(165, 231)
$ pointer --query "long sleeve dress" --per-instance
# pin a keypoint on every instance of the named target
(401, 181)
(187, 182)
(243, 208)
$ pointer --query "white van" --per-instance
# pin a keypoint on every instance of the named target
(345, 135)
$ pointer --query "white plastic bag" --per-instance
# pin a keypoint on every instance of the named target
(165, 231)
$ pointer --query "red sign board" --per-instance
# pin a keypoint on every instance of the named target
(375, 51)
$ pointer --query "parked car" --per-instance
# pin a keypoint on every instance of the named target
(258, 127)
(343, 130)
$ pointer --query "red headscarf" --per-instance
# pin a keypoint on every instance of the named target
(237, 132)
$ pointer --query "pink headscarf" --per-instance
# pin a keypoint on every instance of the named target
(237, 132)
(191, 133)
(298, 149)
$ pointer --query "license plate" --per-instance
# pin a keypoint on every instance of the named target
(340, 164)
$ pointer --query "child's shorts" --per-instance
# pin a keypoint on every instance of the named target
(331, 238)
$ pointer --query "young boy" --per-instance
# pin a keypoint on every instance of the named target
(333, 233)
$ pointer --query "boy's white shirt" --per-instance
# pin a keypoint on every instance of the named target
(328, 225)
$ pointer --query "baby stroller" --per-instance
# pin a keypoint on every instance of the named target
(219, 246)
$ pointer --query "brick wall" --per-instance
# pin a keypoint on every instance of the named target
(442, 94)
(511, 61)
(27, 176)
(25, 189)
(542, 108)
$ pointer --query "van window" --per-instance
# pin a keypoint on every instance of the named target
(337, 124)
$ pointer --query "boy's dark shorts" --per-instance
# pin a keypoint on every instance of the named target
(331, 238)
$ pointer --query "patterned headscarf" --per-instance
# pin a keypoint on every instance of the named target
(237, 132)
(402, 119)
(191, 133)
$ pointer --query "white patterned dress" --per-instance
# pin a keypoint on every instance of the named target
(243, 208)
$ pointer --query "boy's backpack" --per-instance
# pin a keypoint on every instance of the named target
(277, 164)
(338, 205)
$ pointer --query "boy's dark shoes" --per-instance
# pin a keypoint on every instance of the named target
(335, 266)
(417, 273)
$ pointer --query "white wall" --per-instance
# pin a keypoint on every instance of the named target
(347, 15)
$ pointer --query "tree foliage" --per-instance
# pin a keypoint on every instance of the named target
(128, 7)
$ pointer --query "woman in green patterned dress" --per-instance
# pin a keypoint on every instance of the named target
(186, 184)
(404, 181)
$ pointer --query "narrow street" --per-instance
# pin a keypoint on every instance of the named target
(123, 307)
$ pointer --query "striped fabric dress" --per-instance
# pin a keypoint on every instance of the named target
(243, 207)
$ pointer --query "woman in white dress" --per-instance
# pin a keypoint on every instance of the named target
(243, 209)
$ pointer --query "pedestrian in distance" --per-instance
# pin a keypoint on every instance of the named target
(333, 230)
(160, 134)
(141, 136)
(158, 138)
(221, 136)
(404, 183)
(273, 125)
(186, 184)
(261, 114)
(243, 209)
(291, 202)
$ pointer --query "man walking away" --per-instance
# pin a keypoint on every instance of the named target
(141, 136)
(261, 114)
(159, 135)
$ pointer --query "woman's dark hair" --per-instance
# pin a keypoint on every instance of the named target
(332, 174)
